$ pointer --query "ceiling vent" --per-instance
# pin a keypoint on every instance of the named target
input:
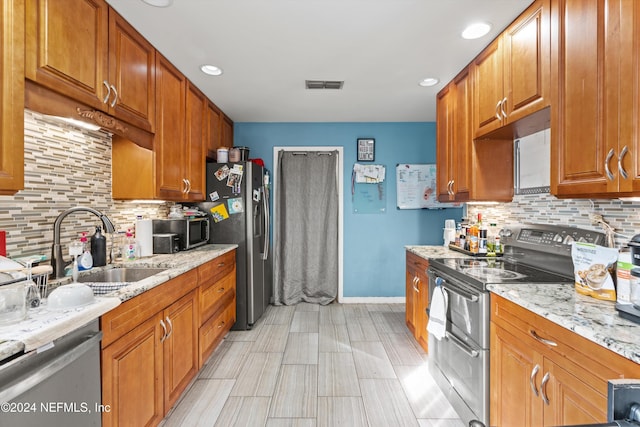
(323, 84)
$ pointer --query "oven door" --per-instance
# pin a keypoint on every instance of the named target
(458, 362)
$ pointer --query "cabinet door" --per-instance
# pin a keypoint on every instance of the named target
(629, 141)
(527, 51)
(571, 400)
(585, 112)
(180, 347)
(11, 97)
(488, 88)
(132, 73)
(410, 300)
(513, 378)
(169, 142)
(132, 381)
(444, 136)
(214, 133)
(226, 132)
(462, 136)
(195, 127)
(421, 310)
(66, 48)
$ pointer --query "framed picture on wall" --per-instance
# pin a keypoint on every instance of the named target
(366, 149)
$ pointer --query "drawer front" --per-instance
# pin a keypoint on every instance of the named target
(213, 295)
(214, 329)
(417, 263)
(216, 269)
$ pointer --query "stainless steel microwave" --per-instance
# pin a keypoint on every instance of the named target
(192, 232)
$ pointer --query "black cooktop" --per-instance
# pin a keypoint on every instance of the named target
(483, 271)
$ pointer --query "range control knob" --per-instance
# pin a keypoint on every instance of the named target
(568, 240)
(557, 238)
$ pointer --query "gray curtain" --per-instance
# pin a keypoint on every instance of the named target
(306, 250)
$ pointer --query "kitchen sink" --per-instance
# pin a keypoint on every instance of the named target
(120, 275)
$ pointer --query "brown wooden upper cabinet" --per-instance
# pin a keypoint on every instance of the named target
(454, 139)
(214, 130)
(226, 132)
(595, 137)
(511, 76)
(11, 97)
(84, 50)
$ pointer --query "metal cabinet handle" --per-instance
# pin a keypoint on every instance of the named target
(453, 192)
(170, 325)
(606, 165)
(543, 388)
(221, 290)
(115, 96)
(532, 379)
(221, 264)
(621, 169)
(108, 95)
(185, 187)
(542, 340)
(416, 280)
(221, 324)
(164, 328)
(503, 108)
(498, 110)
(188, 186)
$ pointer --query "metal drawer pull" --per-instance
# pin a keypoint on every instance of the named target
(606, 165)
(221, 290)
(170, 325)
(221, 264)
(532, 379)
(221, 325)
(543, 388)
(542, 340)
(623, 153)
(108, 95)
(115, 96)
(464, 347)
(164, 328)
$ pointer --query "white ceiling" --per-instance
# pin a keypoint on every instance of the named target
(268, 48)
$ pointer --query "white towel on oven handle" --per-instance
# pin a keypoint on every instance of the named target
(437, 325)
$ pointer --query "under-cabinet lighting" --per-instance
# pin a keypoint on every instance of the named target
(483, 203)
(629, 199)
(147, 202)
(476, 30)
(73, 122)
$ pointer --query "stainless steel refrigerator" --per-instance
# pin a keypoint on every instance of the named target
(238, 202)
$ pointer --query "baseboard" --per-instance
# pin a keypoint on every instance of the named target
(372, 300)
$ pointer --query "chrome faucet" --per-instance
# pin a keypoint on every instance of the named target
(57, 261)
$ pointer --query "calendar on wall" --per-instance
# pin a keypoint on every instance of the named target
(416, 187)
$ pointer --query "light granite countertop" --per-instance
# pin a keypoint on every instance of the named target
(593, 319)
(43, 326)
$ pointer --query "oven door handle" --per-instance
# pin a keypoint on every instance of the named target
(465, 295)
(464, 347)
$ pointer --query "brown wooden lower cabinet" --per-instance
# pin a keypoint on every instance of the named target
(560, 382)
(155, 343)
(417, 298)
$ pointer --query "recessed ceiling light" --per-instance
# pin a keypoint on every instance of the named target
(475, 31)
(158, 3)
(429, 81)
(212, 70)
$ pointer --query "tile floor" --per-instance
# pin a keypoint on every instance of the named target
(309, 365)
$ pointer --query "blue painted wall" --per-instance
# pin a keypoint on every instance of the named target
(374, 255)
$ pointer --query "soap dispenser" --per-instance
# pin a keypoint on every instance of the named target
(85, 262)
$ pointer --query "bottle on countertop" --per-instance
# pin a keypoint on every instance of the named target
(85, 261)
(129, 249)
(99, 248)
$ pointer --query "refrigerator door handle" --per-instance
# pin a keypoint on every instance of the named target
(267, 231)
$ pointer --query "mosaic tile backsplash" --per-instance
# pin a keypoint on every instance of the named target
(64, 167)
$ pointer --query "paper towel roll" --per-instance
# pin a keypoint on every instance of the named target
(144, 236)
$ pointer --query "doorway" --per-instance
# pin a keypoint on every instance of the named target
(280, 233)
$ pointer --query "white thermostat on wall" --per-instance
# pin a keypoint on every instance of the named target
(366, 149)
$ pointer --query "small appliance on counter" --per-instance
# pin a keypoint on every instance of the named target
(631, 311)
(166, 243)
(192, 231)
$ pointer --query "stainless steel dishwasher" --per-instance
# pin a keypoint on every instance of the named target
(55, 386)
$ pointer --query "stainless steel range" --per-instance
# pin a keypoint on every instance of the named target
(460, 361)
